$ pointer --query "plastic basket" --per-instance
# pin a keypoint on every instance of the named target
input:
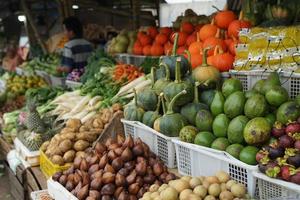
(57, 81)
(40, 195)
(73, 84)
(195, 161)
(48, 168)
(289, 80)
(31, 157)
(271, 189)
(159, 144)
(58, 192)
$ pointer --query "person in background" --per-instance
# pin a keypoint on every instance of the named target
(12, 59)
(77, 50)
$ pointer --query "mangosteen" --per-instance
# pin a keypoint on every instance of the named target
(293, 128)
(286, 141)
(276, 152)
(296, 178)
(297, 144)
(262, 168)
(278, 130)
(294, 160)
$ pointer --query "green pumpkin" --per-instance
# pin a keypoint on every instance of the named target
(150, 116)
(189, 111)
(147, 99)
(173, 88)
(160, 84)
(171, 123)
(133, 112)
(170, 61)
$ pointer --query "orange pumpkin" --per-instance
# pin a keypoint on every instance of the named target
(196, 47)
(182, 37)
(212, 42)
(191, 39)
(196, 60)
(166, 30)
(157, 50)
(236, 25)
(137, 48)
(147, 50)
(220, 60)
(145, 40)
(152, 31)
(187, 27)
(207, 31)
(181, 50)
(161, 38)
(168, 47)
(224, 18)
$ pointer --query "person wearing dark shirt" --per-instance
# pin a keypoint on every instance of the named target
(77, 50)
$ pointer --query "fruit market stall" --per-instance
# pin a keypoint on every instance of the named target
(208, 108)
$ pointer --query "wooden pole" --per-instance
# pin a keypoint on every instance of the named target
(136, 14)
(34, 29)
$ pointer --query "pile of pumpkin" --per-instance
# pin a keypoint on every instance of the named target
(172, 87)
(221, 35)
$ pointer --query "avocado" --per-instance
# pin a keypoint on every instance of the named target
(220, 144)
(220, 125)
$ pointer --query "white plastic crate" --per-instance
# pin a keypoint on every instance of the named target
(289, 80)
(57, 81)
(40, 195)
(271, 189)
(159, 144)
(31, 157)
(195, 161)
(58, 192)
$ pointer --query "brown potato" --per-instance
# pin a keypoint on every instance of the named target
(44, 146)
(87, 136)
(81, 145)
(58, 160)
(65, 145)
(80, 154)
(73, 123)
(97, 123)
(69, 156)
(84, 128)
(68, 136)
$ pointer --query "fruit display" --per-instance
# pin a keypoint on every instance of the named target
(10, 106)
(47, 63)
(220, 186)
(219, 34)
(227, 119)
(76, 137)
(281, 157)
(119, 169)
(17, 85)
(123, 43)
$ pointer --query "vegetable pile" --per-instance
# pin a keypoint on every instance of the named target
(281, 158)
(119, 169)
(47, 63)
(215, 187)
(76, 137)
